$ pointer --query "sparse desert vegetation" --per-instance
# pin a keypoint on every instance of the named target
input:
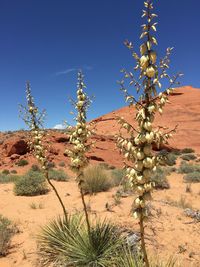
(121, 190)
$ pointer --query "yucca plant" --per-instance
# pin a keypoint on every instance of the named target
(137, 147)
(79, 140)
(129, 259)
(68, 243)
(34, 120)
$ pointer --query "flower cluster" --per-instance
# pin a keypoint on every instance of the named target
(34, 119)
(137, 148)
(80, 133)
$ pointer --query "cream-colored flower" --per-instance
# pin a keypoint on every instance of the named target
(153, 57)
(144, 62)
(150, 71)
(143, 49)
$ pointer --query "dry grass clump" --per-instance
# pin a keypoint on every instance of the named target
(96, 180)
(193, 177)
(58, 175)
(188, 168)
(187, 150)
(159, 178)
(7, 230)
(8, 178)
(188, 157)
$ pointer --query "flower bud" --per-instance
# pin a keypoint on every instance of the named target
(148, 126)
(80, 104)
(149, 137)
(140, 155)
(148, 162)
(150, 71)
(129, 146)
(143, 49)
(153, 57)
(144, 62)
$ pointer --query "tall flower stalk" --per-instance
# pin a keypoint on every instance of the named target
(141, 162)
(34, 120)
(79, 140)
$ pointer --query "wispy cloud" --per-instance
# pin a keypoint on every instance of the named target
(59, 126)
(63, 72)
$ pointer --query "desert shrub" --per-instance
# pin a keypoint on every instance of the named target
(118, 176)
(1, 142)
(193, 177)
(159, 178)
(69, 244)
(187, 150)
(51, 165)
(8, 178)
(6, 172)
(31, 184)
(188, 168)
(62, 164)
(35, 168)
(58, 175)
(176, 152)
(106, 166)
(22, 162)
(13, 171)
(188, 157)
(170, 159)
(96, 180)
(7, 230)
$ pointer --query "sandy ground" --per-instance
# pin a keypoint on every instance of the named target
(168, 230)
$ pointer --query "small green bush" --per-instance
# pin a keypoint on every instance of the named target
(193, 177)
(170, 159)
(22, 162)
(58, 175)
(13, 171)
(159, 178)
(6, 172)
(8, 178)
(188, 157)
(187, 150)
(62, 164)
(35, 168)
(31, 184)
(96, 180)
(188, 168)
(7, 230)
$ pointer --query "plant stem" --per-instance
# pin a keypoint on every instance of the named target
(80, 181)
(57, 194)
(85, 209)
(143, 245)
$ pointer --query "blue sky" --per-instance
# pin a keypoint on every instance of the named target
(45, 41)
